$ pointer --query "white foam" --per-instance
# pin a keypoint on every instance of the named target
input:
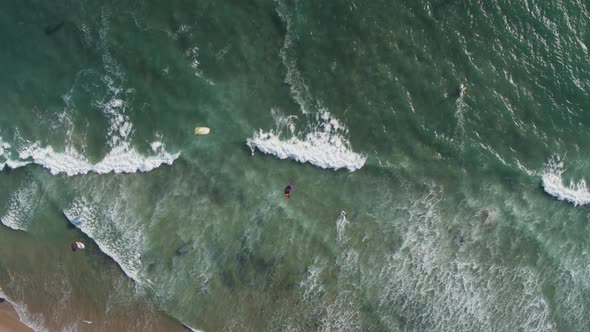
(34, 321)
(3, 146)
(312, 285)
(8, 162)
(124, 247)
(339, 317)
(13, 164)
(432, 287)
(326, 146)
(121, 159)
(575, 193)
(20, 206)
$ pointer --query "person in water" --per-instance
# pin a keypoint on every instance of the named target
(288, 190)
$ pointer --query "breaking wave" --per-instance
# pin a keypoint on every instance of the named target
(7, 162)
(575, 193)
(121, 159)
(123, 246)
(324, 147)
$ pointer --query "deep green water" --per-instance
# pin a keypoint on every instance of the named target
(460, 211)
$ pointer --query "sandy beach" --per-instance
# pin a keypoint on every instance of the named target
(9, 321)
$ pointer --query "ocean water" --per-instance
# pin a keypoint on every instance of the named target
(452, 133)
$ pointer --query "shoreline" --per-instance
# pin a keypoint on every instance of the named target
(9, 319)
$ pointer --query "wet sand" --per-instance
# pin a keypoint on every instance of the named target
(9, 321)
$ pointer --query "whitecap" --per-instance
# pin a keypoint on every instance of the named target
(21, 204)
(12, 164)
(121, 159)
(575, 193)
(325, 146)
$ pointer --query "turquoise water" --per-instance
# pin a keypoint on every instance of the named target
(465, 208)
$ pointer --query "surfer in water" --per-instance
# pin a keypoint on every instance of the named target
(288, 190)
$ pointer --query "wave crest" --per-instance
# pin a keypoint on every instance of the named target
(121, 159)
(576, 192)
(324, 147)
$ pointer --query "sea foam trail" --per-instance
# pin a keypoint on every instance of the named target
(324, 147)
(341, 223)
(575, 193)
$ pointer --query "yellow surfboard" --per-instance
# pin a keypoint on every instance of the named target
(202, 130)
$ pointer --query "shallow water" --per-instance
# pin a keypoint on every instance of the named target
(465, 209)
